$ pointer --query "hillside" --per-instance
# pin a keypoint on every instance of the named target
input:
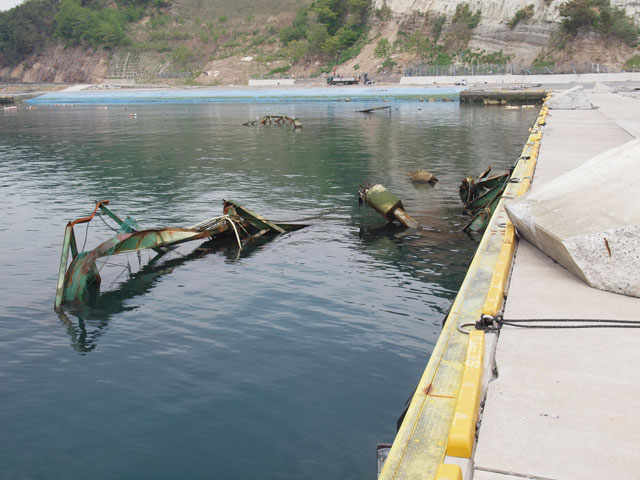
(218, 42)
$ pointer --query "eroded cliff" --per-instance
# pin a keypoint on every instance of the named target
(524, 42)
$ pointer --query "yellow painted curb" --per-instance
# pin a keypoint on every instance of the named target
(497, 289)
(463, 428)
(445, 396)
(449, 472)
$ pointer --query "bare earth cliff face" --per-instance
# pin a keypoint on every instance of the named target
(60, 65)
(493, 33)
(529, 38)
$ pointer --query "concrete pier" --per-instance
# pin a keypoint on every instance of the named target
(546, 404)
(565, 402)
(502, 96)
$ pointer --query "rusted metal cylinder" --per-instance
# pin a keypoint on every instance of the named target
(388, 205)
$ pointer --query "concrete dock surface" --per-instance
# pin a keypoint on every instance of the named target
(566, 402)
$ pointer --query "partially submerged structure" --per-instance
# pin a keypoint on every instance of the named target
(277, 119)
(375, 109)
(385, 203)
(81, 278)
(503, 96)
(480, 196)
(422, 176)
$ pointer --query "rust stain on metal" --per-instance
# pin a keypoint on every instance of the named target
(385, 203)
(75, 280)
(277, 119)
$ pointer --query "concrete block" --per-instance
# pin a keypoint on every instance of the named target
(572, 99)
(587, 220)
(601, 88)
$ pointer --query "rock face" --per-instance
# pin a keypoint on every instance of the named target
(493, 33)
(588, 221)
(572, 99)
(61, 65)
(495, 11)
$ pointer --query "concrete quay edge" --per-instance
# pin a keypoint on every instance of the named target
(439, 426)
(564, 403)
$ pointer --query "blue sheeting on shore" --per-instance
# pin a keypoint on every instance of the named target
(266, 95)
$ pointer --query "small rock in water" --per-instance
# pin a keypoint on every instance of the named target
(422, 176)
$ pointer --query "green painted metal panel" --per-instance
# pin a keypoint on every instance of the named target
(383, 201)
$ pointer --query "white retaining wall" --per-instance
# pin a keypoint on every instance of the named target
(493, 79)
(271, 83)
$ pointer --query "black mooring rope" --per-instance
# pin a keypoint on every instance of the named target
(492, 324)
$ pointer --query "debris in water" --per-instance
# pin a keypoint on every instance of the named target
(277, 119)
(82, 278)
(369, 110)
(422, 176)
(480, 196)
(385, 203)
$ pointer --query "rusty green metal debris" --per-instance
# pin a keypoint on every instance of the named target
(385, 203)
(82, 275)
(375, 109)
(480, 196)
(422, 176)
(277, 119)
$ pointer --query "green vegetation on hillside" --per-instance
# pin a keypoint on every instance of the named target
(598, 16)
(28, 27)
(544, 60)
(633, 63)
(93, 24)
(25, 29)
(327, 28)
(426, 46)
(424, 41)
(436, 26)
(465, 17)
(462, 25)
(522, 14)
(183, 37)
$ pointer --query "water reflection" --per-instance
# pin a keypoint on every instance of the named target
(323, 331)
(93, 317)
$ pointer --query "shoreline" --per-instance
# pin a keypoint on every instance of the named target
(449, 86)
(80, 94)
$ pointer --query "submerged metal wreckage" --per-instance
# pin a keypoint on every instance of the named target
(480, 196)
(277, 119)
(385, 203)
(76, 281)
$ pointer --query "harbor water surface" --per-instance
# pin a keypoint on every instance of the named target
(290, 359)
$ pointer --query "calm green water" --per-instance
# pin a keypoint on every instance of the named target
(291, 360)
